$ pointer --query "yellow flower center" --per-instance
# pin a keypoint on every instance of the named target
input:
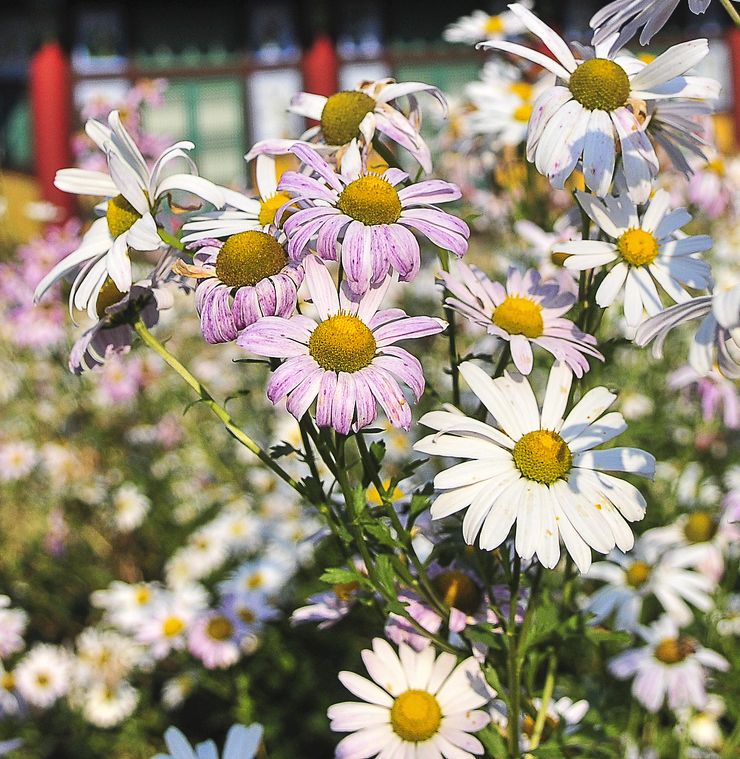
(255, 581)
(373, 495)
(345, 590)
(700, 527)
(248, 257)
(522, 112)
(142, 595)
(172, 626)
(269, 207)
(219, 628)
(542, 456)
(600, 85)
(342, 343)
(247, 615)
(674, 650)
(522, 90)
(494, 25)
(120, 215)
(548, 729)
(371, 200)
(415, 716)
(637, 247)
(638, 574)
(717, 166)
(342, 114)
(42, 679)
(456, 589)
(519, 316)
(109, 295)
(8, 681)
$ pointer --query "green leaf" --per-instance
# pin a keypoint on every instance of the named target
(386, 575)
(340, 575)
(544, 622)
(493, 679)
(492, 741)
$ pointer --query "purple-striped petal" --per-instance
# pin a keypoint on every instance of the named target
(405, 366)
(321, 287)
(431, 191)
(275, 337)
(407, 328)
(325, 399)
(288, 376)
(389, 395)
(343, 403)
(311, 158)
(356, 256)
(303, 396)
(444, 239)
(365, 401)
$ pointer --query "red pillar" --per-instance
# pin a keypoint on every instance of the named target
(321, 67)
(733, 41)
(51, 113)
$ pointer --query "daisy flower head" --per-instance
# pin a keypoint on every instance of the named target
(373, 220)
(18, 458)
(479, 26)
(594, 104)
(563, 715)
(524, 312)
(538, 468)
(13, 624)
(212, 639)
(372, 106)
(347, 360)
(134, 195)
(415, 705)
(42, 676)
(716, 342)
(670, 665)
(246, 277)
(106, 705)
(646, 249)
(628, 16)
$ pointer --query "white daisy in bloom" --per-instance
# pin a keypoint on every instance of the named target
(12, 626)
(670, 665)
(593, 107)
(212, 639)
(10, 702)
(105, 705)
(647, 571)
(17, 460)
(480, 25)
(645, 249)
(126, 605)
(42, 675)
(717, 341)
(134, 195)
(242, 213)
(130, 506)
(104, 655)
(537, 468)
(416, 705)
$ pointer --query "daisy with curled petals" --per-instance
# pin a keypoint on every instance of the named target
(480, 25)
(357, 114)
(347, 360)
(241, 280)
(243, 213)
(716, 341)
(593, 106)
(526, 312)
(645, 250)
(134, 193)
(537, 469)
(371, 218)
(670, 665)
(416, 705)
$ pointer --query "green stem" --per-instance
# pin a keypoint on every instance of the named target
(217, 409)
(539, 724)
(513, 665)
(730, 8)
(503, 359)
(444, 260)
(171, 240)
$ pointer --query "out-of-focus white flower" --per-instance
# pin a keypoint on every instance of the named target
(479, 26)
(42, 676)
(105, 655)
(703, 726)
(17, 460)
(130, 507)
(635, 405)
(12, 626)
(127, 605)
(108, 705)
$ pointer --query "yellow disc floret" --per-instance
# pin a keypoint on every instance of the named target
(342, 343)
(674, 650)
(345, 590)
(120, 215)
(269, 207)
(700, 527)
(522, 112)
(519, 316)
(248, 257)
(415, 716)
(637, 247)
(456, 589)
(637, 574)
(371, 200)
(600, 85)
(219, 628)
(342, 114)
(494, 25)
(109, 295)
(542, 456)
(172, 626)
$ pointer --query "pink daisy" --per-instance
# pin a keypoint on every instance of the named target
(246, 277)
(527, 311)
(212, 639)
(347, 359)
(369, 216)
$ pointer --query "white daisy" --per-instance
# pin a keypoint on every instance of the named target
(126, 605)
(42, 676)
(537, 468)
(105, 655)
(12, 627)
(595, 104)
(645, 250)
(671, 665)
(108, 705)
(130, 506)
(134, 194)
(417, 705)
(649, 570)
(17, 460)
(480, 25)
